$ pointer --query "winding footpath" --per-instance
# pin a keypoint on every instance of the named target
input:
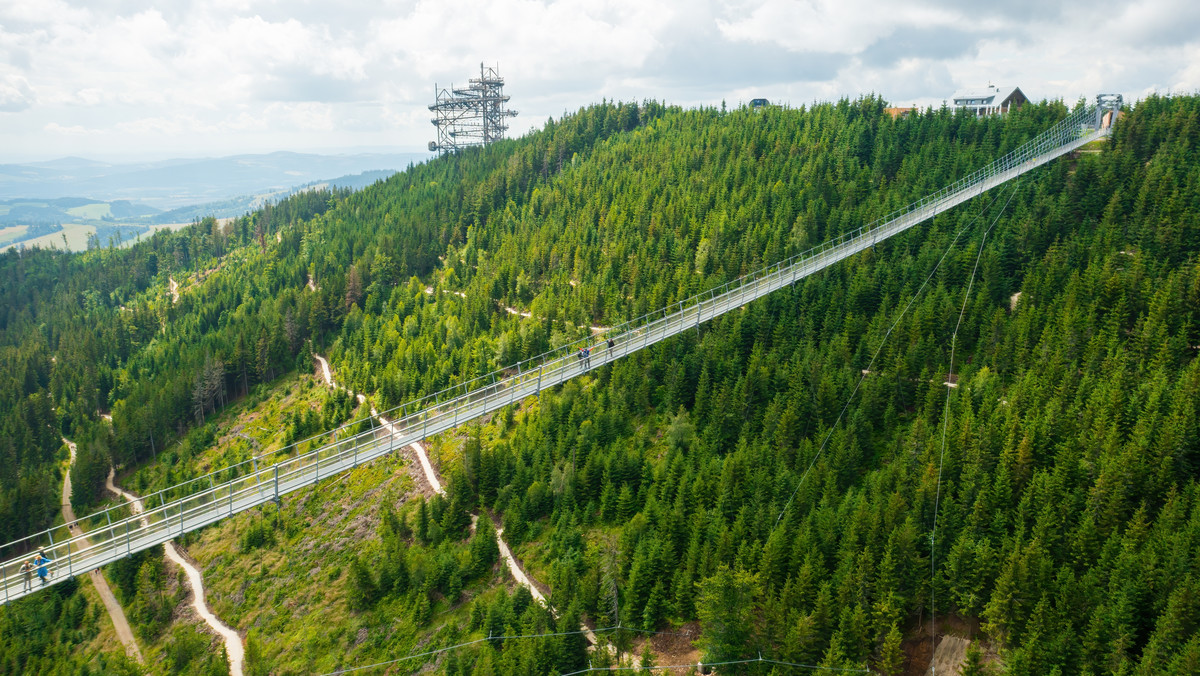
(527, 315)
(233, 642)
(417, 448)
(115, 611)
(514, 566)
(511, 310)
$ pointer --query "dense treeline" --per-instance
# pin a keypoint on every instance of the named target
(1068, 502)
(1033, 513)
(41, 633)
(675, 486)
(1069, 517)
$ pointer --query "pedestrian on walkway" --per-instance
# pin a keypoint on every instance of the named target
(587, 357)
(27, 573)
(42, 569)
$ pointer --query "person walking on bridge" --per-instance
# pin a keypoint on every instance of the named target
(42, 569)
(27, 573)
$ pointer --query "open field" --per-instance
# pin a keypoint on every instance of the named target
(11, 233)
(96, 210)
(76, 234)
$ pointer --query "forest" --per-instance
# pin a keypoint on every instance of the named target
(804, 479)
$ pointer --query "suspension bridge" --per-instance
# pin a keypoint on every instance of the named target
(109, 535)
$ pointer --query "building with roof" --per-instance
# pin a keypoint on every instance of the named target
(990, 100)
(897, 113)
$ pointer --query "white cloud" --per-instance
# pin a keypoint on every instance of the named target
(307, 116)
(73, 130)
(258, 75)
(42, 12)
(835, 26)
(15, 94)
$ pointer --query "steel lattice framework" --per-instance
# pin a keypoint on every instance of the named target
(472, 116)
(112, 534)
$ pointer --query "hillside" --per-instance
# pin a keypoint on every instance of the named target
(718, 481)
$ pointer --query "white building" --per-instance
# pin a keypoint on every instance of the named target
(990, 100)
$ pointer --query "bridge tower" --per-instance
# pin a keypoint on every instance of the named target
(1108, 107)
(475, 115)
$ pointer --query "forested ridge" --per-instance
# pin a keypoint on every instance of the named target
(666, 489)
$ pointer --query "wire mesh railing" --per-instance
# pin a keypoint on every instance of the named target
(113, 533)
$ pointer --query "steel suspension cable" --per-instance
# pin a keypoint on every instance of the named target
(945, 425)
(878, 349)
(466, 644)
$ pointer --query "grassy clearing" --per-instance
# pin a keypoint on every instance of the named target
(280, 575)
(291, 588)
(11, 233)
(251, 426)
(97, 210)
(76, 234)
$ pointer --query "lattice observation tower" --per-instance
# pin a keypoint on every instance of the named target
(475, 115)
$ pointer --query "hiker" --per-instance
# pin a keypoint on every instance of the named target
(580, 355)
(587, 357)
(27, 573)
(611, 343)
(42, 569)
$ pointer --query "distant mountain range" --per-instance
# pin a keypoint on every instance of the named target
(74, 201)
(170, 184)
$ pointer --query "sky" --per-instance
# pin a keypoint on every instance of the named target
(131, 79)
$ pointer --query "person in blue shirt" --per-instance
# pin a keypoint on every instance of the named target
(43, 570)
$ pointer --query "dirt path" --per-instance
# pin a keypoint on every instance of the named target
(519, 575)
(524, 580)
(233, 642)
(388, 425)
(325, 370)
(527, 582)
(527, 315)
(417, 448)
(174, 289)
(115, 611)
(515, 311)
(514, 566)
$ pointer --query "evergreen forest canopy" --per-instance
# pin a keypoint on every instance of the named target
(666, 488)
